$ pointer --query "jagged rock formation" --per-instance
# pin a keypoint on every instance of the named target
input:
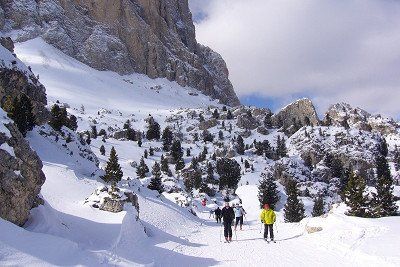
(301, 112)
(21, 175)
(15, 79)
(341, 114)
(156, 38)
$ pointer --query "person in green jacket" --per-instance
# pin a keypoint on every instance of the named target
(268, 218)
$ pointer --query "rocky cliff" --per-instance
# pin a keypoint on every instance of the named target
(156, 38)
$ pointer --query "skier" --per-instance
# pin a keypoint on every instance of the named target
(239, 213)
(228, 215)
(268, 218)
(217, 213)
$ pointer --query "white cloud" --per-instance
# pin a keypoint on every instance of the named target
(332, 50)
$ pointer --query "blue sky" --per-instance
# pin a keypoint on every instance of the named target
(330, 51)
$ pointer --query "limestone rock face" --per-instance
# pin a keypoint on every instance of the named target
(301, 112)
(21, 175)
(156, 38)
(247, 121)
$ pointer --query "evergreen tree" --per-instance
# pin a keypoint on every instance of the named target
(216, 114)
(142, 169)
(139, 142)
(240, 145)
(58, 117)
(188, 152)
(88, 140)
(396, 159)
(294, 209)
(176, 150)
(180, 165)
(268, 120)
(201, 117)
(246, 164)
(229, 115)
(207, 136)
(165, 167)
(383, 203)
(204, 188)
(281, 150)
(268, 191)
(130, 134)
(151, 151)
(210, 174)
(167, 138)
(113, 169)
(153, 129)
(193, 181)
(93, 131)
(72, 123)
(229, 172)
(319, 207)
(127, 125)
(102, 150)
(337, 167)
(308, 161)
(155, 182)
(221, 135)
(146, 154)
(383, 147)
(355, 197)
(22, 114)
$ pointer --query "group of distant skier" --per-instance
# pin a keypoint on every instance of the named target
(229, 215)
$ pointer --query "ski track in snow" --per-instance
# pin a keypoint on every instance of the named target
(66, 232)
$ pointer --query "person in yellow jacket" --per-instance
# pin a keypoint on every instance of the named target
(268, 218)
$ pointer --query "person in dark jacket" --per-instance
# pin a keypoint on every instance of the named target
(228, 215)
(217, 213)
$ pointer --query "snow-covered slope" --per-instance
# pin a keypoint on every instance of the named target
(67, 230)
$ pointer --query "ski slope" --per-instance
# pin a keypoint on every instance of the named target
(67, 232)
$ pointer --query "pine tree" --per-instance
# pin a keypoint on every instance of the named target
(176, 150)
(355, 197)
(180, 165)
(210, 174)
(281, 150)
(221, 135)
(294, 209)
(72, 123)
(188, 152)
(142, 169)
(240, 145)
(268, 120)
(93, 131)
(319, 207)
(155, 182)
(383, 203)
(113, 169)
(229, 172)
(308, 161)
(102, 150)
(139, 142)
(268, 191)
(215, 114)
(165, 167)
(246, 164)
(58, 117)
(201, 117)
(167, 138)
(146, 154)
(383, 147)
(151, 151)
(153, 129)
(22, 114)
(396, 159)
(229, 115)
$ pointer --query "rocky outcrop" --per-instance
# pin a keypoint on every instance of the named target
(299, 113)
(205, 125)
(16, 78)
(21, 175)
(156, 38)
(247, 121)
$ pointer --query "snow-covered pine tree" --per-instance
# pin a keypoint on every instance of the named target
(355, 197)
(240, 145)
(22, 114)
(180, 165)
(281, 150)
(93, 132)
(102, 150)
(176, 150)
(142, 169)
(268, 191)
(383, 203)
(145, 154)
(294, 208)
(153, 129)
(165, 167)
(319, 206)
(167, 138)
(155, 182)
(229, 115)
(396, 159)
(139, 142)
(230, 173)
(113, 172)
(216, 114)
